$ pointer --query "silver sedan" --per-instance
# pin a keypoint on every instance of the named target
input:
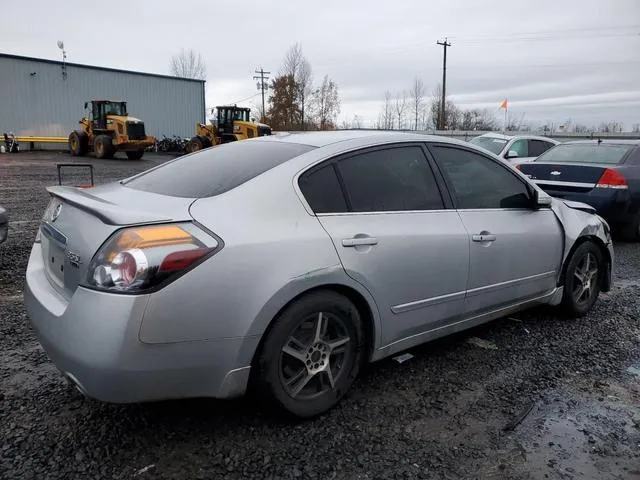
(285, 263)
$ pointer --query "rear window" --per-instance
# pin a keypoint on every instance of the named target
(216, 170)
(577, 153)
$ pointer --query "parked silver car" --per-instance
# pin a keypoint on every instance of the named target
(286, 262)
(514, 148)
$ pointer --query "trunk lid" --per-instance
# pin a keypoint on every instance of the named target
(78, 221)
(563, 177)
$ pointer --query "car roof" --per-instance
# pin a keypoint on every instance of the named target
(525, 135)
(325, 138)
(604, 142)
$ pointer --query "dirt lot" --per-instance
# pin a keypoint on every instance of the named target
(452, 411)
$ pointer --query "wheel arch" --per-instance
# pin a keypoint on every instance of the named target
(605, 278)
(361, 299)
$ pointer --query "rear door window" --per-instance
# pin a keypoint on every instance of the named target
(391, 179)
(216, 170)
(322, 190)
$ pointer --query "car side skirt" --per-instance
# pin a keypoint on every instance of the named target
(552, 298)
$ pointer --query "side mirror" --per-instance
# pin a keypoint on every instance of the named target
(512, 154)
(541, 199)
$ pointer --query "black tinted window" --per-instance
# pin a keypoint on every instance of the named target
(538, 147)
(322, 190)
(390, 180)
(479, 182)
(216, 170)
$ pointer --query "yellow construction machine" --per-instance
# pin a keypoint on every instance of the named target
(108, 130)
(233, 123)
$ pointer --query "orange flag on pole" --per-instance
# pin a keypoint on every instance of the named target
(504, 104)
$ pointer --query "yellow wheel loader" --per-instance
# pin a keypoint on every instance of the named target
(233, 123)
(108, 130)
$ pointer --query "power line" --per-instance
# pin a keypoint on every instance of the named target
(546, 32)
(245, 99)
(444, 44)
(262, 86)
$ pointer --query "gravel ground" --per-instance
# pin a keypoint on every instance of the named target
(539, 397)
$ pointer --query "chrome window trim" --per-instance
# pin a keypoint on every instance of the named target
(566, 184)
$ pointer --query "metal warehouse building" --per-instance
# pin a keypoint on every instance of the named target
(46, 98)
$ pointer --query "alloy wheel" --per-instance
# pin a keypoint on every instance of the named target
(313, 357)
(586, 274)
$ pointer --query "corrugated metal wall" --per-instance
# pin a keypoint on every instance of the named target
(47, 104)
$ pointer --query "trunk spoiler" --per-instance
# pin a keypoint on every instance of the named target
(108, 212)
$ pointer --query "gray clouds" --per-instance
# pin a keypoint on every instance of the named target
(551, 59)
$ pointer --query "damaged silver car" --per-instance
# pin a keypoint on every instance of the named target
(286, 262)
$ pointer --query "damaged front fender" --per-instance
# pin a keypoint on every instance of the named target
(580, 222)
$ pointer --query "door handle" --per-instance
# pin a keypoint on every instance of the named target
(359, 241)
(483, 237)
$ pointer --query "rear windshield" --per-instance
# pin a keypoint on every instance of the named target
(580, 153)
(216, 170)
(493, 144)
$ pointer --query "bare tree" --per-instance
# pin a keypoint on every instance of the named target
(514, 122)
(417, 100)
(326, 103)
(387, 112)
(452, 114)
(636, 128)
(257, 112)
(400, 107)
(345, 124)
(297, 65)
(611, 127)
(356, 122)
(188, 64)
(477, 119)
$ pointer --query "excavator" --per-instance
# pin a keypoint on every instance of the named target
(233, 124)
(109, 128)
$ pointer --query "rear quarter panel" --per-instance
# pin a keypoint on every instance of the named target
(273, 250)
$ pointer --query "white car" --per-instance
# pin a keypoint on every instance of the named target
(514, 148)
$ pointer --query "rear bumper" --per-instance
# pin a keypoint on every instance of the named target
(93, 338)
(615, 206)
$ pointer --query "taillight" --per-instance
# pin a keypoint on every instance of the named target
(612, 179)
(517, 166)
(138, 259)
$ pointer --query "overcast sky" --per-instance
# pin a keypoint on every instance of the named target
(552, 60)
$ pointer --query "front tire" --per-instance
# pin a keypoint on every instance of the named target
(103, 146)
(582, 280)
(195, 144)
(311, 355)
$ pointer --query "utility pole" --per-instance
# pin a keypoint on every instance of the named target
(263, 87)
(442, 122)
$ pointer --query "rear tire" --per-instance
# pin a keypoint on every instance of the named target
(78, 143)
(320, 364)
(582, 280)
(135, 154)
(103, 146)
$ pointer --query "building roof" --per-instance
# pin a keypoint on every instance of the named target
(94, 67)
